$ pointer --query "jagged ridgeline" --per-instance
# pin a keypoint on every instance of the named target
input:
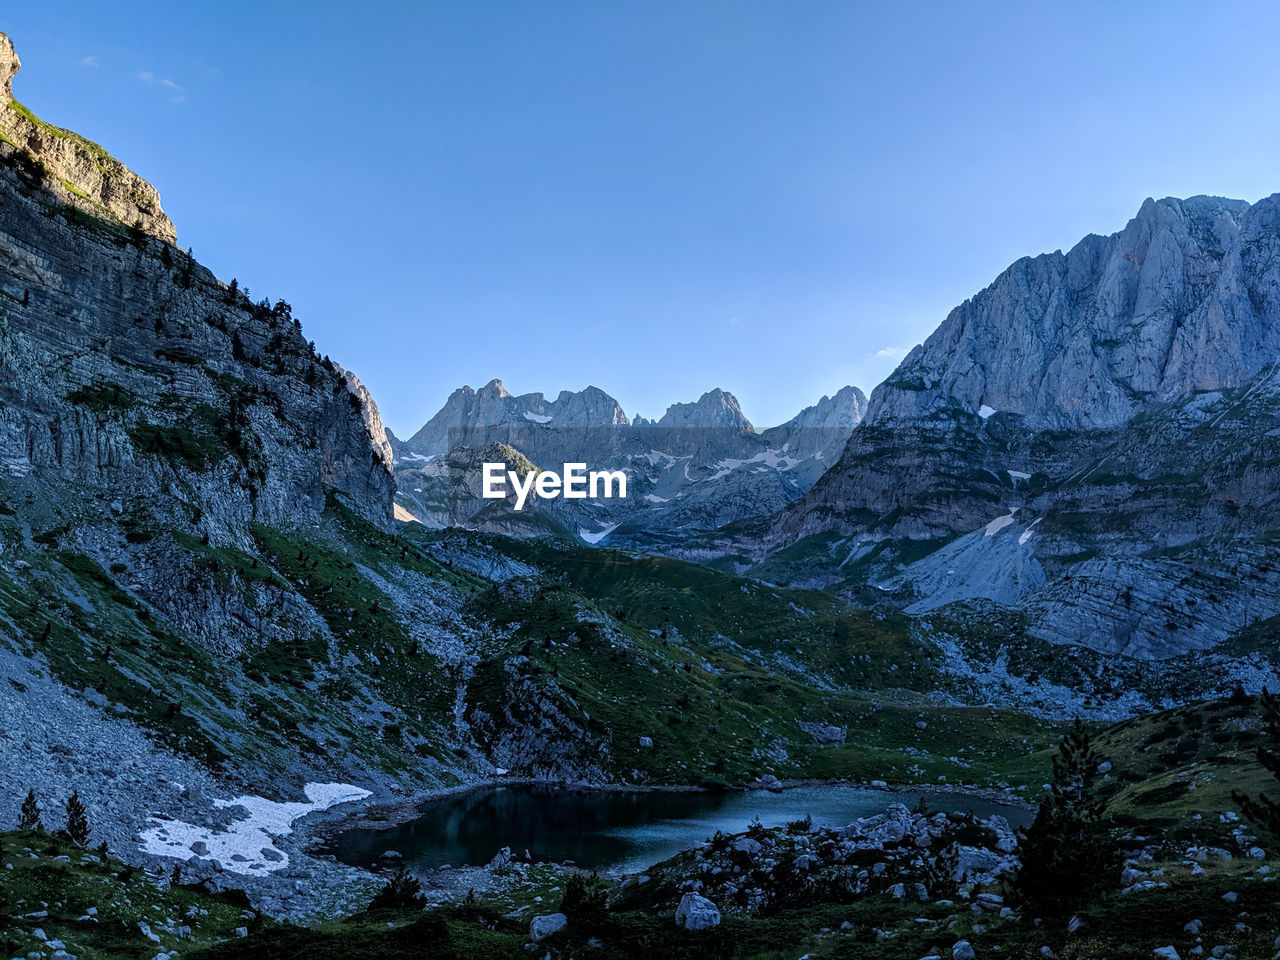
(699, 466)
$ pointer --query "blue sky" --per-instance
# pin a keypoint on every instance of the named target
(659, 197)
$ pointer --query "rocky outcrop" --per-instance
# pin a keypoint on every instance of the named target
(76, 170)
(908, 856)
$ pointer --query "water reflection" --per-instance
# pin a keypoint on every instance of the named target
(610, 830)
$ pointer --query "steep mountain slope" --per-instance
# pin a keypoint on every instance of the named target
(1112, 410)
(700, 465)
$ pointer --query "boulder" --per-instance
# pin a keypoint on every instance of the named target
(696, 913)
(963, 950)
(544, 926)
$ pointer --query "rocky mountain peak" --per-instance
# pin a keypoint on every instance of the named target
(1181, 300)
(75, 169)
(844, 410)
(493, 388)
(9, 66)
(715, 408)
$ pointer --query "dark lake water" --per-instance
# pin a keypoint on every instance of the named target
(618, 831)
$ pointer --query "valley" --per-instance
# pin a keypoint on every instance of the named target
(259, 638)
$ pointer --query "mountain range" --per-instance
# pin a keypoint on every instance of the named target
(699, 466)
(229, 598)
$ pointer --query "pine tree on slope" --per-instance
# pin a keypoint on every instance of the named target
(77, 821)
(1066, 859)
(29, 818)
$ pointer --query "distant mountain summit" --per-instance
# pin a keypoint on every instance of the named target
(715, 408)
(700, 465)
(492, 413)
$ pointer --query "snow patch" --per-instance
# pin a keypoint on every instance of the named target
(985, 411)
(537, 417)
(251, 839)
(654, 498)
(770, 458)
(1018, 474)
(657, 456)
(998, 524)
(599, 535)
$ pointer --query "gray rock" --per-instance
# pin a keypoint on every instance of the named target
(696, 912)
(544, 926)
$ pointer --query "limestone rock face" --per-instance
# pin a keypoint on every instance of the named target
(369, 408)
(9, 66)
(127, 368)
(77, 170)
(1183, 299)
(1090, 440)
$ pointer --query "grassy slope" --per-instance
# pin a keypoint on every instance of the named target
(718, 671)
(45, 875)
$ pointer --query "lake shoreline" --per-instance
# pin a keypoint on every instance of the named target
(321, 828)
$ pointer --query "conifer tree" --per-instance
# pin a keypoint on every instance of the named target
(77, 821)
(1262, 810)
(1067, 860)
(29, 818)
(402, 892)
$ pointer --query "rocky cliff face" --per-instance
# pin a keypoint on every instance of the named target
(78, 171)
(1110, 410)
(129, 368)
(1182, 300)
